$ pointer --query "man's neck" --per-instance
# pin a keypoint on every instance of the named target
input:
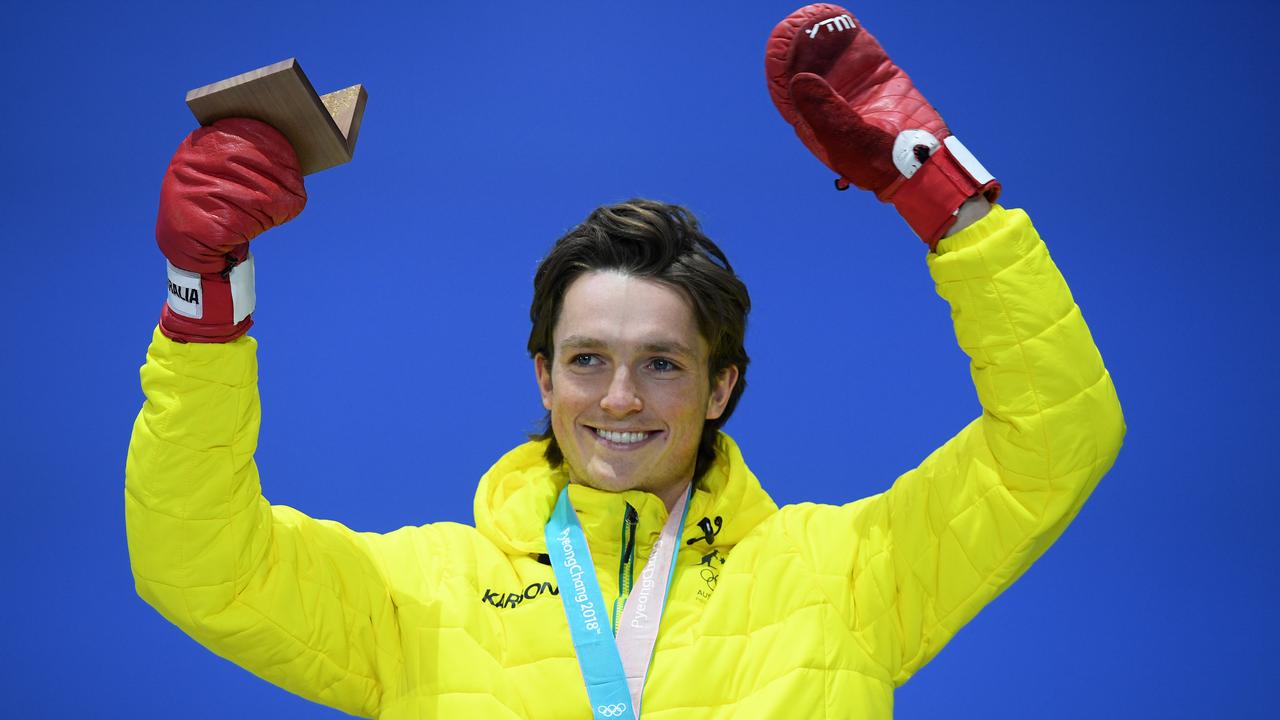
(671, 495)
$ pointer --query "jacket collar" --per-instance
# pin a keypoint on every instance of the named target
(517, 494)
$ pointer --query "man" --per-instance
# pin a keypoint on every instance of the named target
(632, 513)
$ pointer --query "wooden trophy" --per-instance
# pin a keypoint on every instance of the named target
(321, 128)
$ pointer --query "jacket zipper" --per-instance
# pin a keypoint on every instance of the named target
(626, 562)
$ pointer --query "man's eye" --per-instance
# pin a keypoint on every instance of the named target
(583, 360)
(663, 365)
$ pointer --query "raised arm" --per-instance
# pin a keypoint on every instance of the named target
(297, 601)
(952, 534)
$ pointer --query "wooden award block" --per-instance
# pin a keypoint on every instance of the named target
(321, 128)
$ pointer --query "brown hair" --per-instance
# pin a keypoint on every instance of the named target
(662, 242)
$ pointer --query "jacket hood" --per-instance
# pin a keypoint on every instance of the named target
(516, 496)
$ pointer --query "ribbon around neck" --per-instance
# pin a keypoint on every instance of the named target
(614, 669)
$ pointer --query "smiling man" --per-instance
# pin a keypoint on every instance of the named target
(622, 309)
(630, 394)
(626, 562)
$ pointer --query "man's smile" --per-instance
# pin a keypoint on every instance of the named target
(623, 440)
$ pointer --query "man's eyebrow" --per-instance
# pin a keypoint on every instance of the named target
(583, 342)
(667, 346)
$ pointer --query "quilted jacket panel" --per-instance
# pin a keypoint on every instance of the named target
(805, 611)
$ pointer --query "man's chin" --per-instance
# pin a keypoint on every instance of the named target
(610, 477)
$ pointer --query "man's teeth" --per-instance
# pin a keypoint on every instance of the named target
(622, 437)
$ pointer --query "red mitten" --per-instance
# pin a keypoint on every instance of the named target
(227, 183)
(861, 116)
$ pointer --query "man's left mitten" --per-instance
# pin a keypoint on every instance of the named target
(862, 117)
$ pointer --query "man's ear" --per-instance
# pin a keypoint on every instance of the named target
(721, 391)
(542, 368)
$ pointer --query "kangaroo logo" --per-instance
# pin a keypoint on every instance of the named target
(839, 23)
(709, 531)
(713, 555)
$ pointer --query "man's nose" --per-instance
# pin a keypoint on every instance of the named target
(622, 397)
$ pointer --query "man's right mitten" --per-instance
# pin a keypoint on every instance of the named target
(227, 183)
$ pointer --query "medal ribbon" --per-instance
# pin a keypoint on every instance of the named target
(613, 670)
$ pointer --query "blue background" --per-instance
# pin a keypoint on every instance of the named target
(393, 313)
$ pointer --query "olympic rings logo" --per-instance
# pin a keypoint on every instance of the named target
(614, 710)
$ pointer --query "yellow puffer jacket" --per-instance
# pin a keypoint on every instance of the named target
(810, 611)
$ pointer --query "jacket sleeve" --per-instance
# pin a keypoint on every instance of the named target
(299, 602)
(952, 534)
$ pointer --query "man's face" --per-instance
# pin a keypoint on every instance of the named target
(628, 389)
